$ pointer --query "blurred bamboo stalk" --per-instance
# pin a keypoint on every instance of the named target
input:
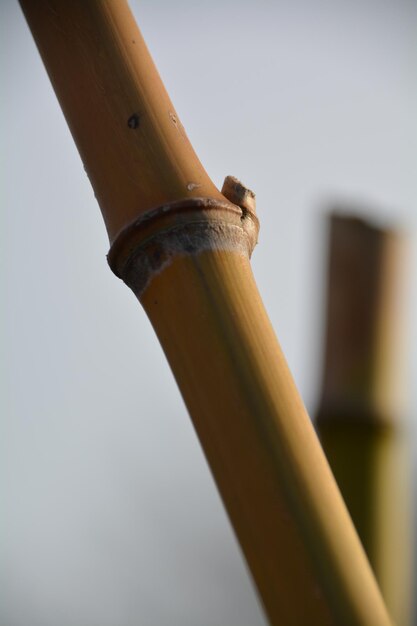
(184, 249)
(359, 420)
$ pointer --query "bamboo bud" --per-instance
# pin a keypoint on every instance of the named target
(359, 417)
(184, 249)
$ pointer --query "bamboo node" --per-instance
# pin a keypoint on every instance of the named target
(187, 227)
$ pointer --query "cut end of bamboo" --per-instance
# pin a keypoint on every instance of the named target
(362, 400)
(361, 375)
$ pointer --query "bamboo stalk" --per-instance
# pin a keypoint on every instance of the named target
(133, 146)
(184, 249)
(359, 420)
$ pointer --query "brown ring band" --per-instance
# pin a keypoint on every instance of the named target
(186, 227)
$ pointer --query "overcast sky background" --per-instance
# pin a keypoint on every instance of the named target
(109, 515)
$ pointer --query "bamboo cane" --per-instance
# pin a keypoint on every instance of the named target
(359, 420)
(184, 249)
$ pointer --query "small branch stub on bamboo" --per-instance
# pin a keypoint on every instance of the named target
(237, 193)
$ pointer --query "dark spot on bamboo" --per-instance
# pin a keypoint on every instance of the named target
(133, 121)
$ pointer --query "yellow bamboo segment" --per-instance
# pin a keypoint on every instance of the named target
(129, 136)
(289, 518)
(184, 248)
(359, 420)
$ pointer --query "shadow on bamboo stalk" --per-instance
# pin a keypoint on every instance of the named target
(184, 248)
(360, 416)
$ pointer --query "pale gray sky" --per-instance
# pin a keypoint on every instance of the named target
(110, 516)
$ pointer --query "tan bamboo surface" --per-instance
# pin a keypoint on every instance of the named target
(184, 249)
(360, 417)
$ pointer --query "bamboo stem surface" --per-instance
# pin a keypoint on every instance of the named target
(281, 497)
(184, 249)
